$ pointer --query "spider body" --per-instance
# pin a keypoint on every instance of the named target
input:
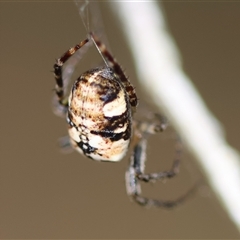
(99, 115)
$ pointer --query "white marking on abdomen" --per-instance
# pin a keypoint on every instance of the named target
(115, 107)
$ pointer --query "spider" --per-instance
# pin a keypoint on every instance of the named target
(100, 121)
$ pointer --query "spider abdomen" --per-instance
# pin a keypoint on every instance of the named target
(99, 115)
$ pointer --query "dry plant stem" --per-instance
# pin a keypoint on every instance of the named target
(159, 70)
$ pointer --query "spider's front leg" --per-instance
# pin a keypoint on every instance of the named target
(62, 104)
(135, 172)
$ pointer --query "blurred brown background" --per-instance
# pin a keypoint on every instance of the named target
(47, 194)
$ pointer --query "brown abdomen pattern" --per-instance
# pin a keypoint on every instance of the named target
(99, 115)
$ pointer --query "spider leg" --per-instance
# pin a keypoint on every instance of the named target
(135, 171)
(151, 177)
(112, 63)
(59, 89)
(65, 144)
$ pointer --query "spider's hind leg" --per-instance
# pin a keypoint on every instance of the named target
(135, 172)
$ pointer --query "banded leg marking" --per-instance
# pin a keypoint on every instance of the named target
(58, 72)
(111, 62)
